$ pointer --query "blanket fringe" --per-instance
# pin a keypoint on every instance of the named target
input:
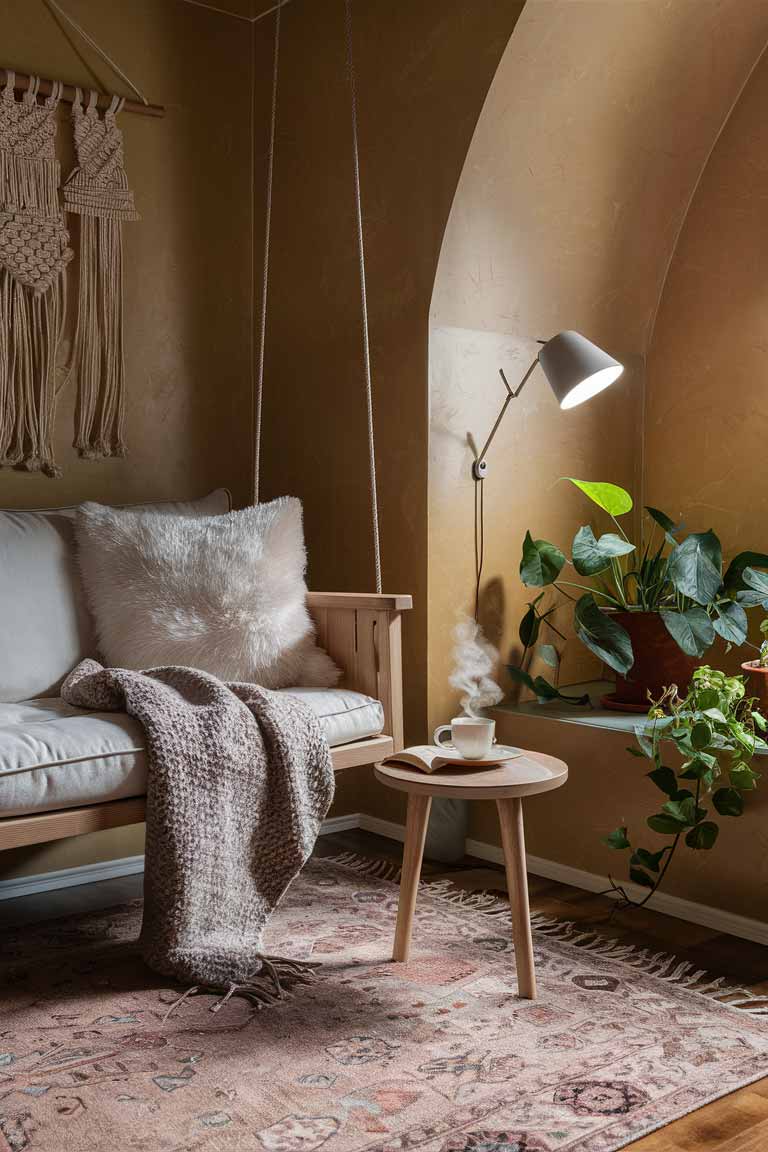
(274, 981)
(663, 965)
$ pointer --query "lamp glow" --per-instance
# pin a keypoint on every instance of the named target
(576, 368)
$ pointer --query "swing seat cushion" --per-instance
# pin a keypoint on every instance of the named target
(55, 756)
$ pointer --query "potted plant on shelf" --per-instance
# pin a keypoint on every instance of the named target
(757, 670)
(713, 729)
(649, 611)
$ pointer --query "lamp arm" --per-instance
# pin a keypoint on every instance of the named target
(479, 466)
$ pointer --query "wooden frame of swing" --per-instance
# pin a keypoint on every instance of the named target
(361, 632)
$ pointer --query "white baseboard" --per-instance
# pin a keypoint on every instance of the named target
(126, 866)
(715, 918)
(70, 877)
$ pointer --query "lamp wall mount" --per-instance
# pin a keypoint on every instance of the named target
(480, 464)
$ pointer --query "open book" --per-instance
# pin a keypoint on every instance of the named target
(428, 757)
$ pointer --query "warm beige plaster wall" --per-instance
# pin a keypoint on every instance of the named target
(595, 130)
(423, 70)
(187, 274)
(707, 403)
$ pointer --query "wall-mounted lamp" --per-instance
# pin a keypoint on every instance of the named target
(576, 370)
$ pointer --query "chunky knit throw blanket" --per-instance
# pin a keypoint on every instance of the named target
(239, 781)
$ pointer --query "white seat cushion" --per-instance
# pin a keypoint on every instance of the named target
(55, 756)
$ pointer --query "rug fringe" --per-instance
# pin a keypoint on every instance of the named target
(662, 965)
(381, 869)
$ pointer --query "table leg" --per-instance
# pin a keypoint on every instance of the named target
(513, 841)
(415, 835)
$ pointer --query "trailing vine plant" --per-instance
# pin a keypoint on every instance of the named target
(715, 729)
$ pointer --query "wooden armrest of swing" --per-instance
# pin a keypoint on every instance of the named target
(361, 634)
(378, 601)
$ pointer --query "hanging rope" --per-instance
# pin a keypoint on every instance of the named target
(265, 270)
(363, 298)
(54, 7)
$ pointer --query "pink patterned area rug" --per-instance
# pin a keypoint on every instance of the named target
(438, 1055)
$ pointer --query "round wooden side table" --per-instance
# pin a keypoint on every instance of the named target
(507, 784)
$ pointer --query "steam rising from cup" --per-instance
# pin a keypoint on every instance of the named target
(474, 659)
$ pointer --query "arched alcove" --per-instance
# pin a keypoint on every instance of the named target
(592, 140)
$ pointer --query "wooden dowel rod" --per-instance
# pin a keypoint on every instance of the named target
(21, 84)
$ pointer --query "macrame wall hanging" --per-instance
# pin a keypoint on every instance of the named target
(34, 251)
(97, 190)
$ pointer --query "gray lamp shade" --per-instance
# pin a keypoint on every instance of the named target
(576, 368)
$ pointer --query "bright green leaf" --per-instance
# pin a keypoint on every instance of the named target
(610, 497)
(542, 562)
(695, 567)
(692, 630)
(602, 635)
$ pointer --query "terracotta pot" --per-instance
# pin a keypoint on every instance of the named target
(659, 662)
(758, 683)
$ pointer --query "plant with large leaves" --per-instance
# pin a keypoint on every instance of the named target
(712, 734)
(679, 577)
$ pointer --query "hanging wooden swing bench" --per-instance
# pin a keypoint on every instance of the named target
(360, 631)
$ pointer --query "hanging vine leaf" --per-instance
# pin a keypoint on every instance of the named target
(665, 779)
(542, 562)
(703, 835)
(637, 876)
(650, 860)
(603, 636)
(617, 839)
(728, 802)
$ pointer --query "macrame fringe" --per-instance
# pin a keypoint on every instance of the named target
(32, 324)
(662, 965)
(270, 984)
(34, 251)
(98, 361)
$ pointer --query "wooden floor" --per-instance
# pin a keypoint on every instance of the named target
(737, 1123)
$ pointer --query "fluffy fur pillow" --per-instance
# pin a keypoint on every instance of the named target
(225, 594)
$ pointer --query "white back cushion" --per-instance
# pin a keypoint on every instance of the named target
(45, 628)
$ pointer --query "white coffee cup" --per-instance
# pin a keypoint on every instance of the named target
(471, 736)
